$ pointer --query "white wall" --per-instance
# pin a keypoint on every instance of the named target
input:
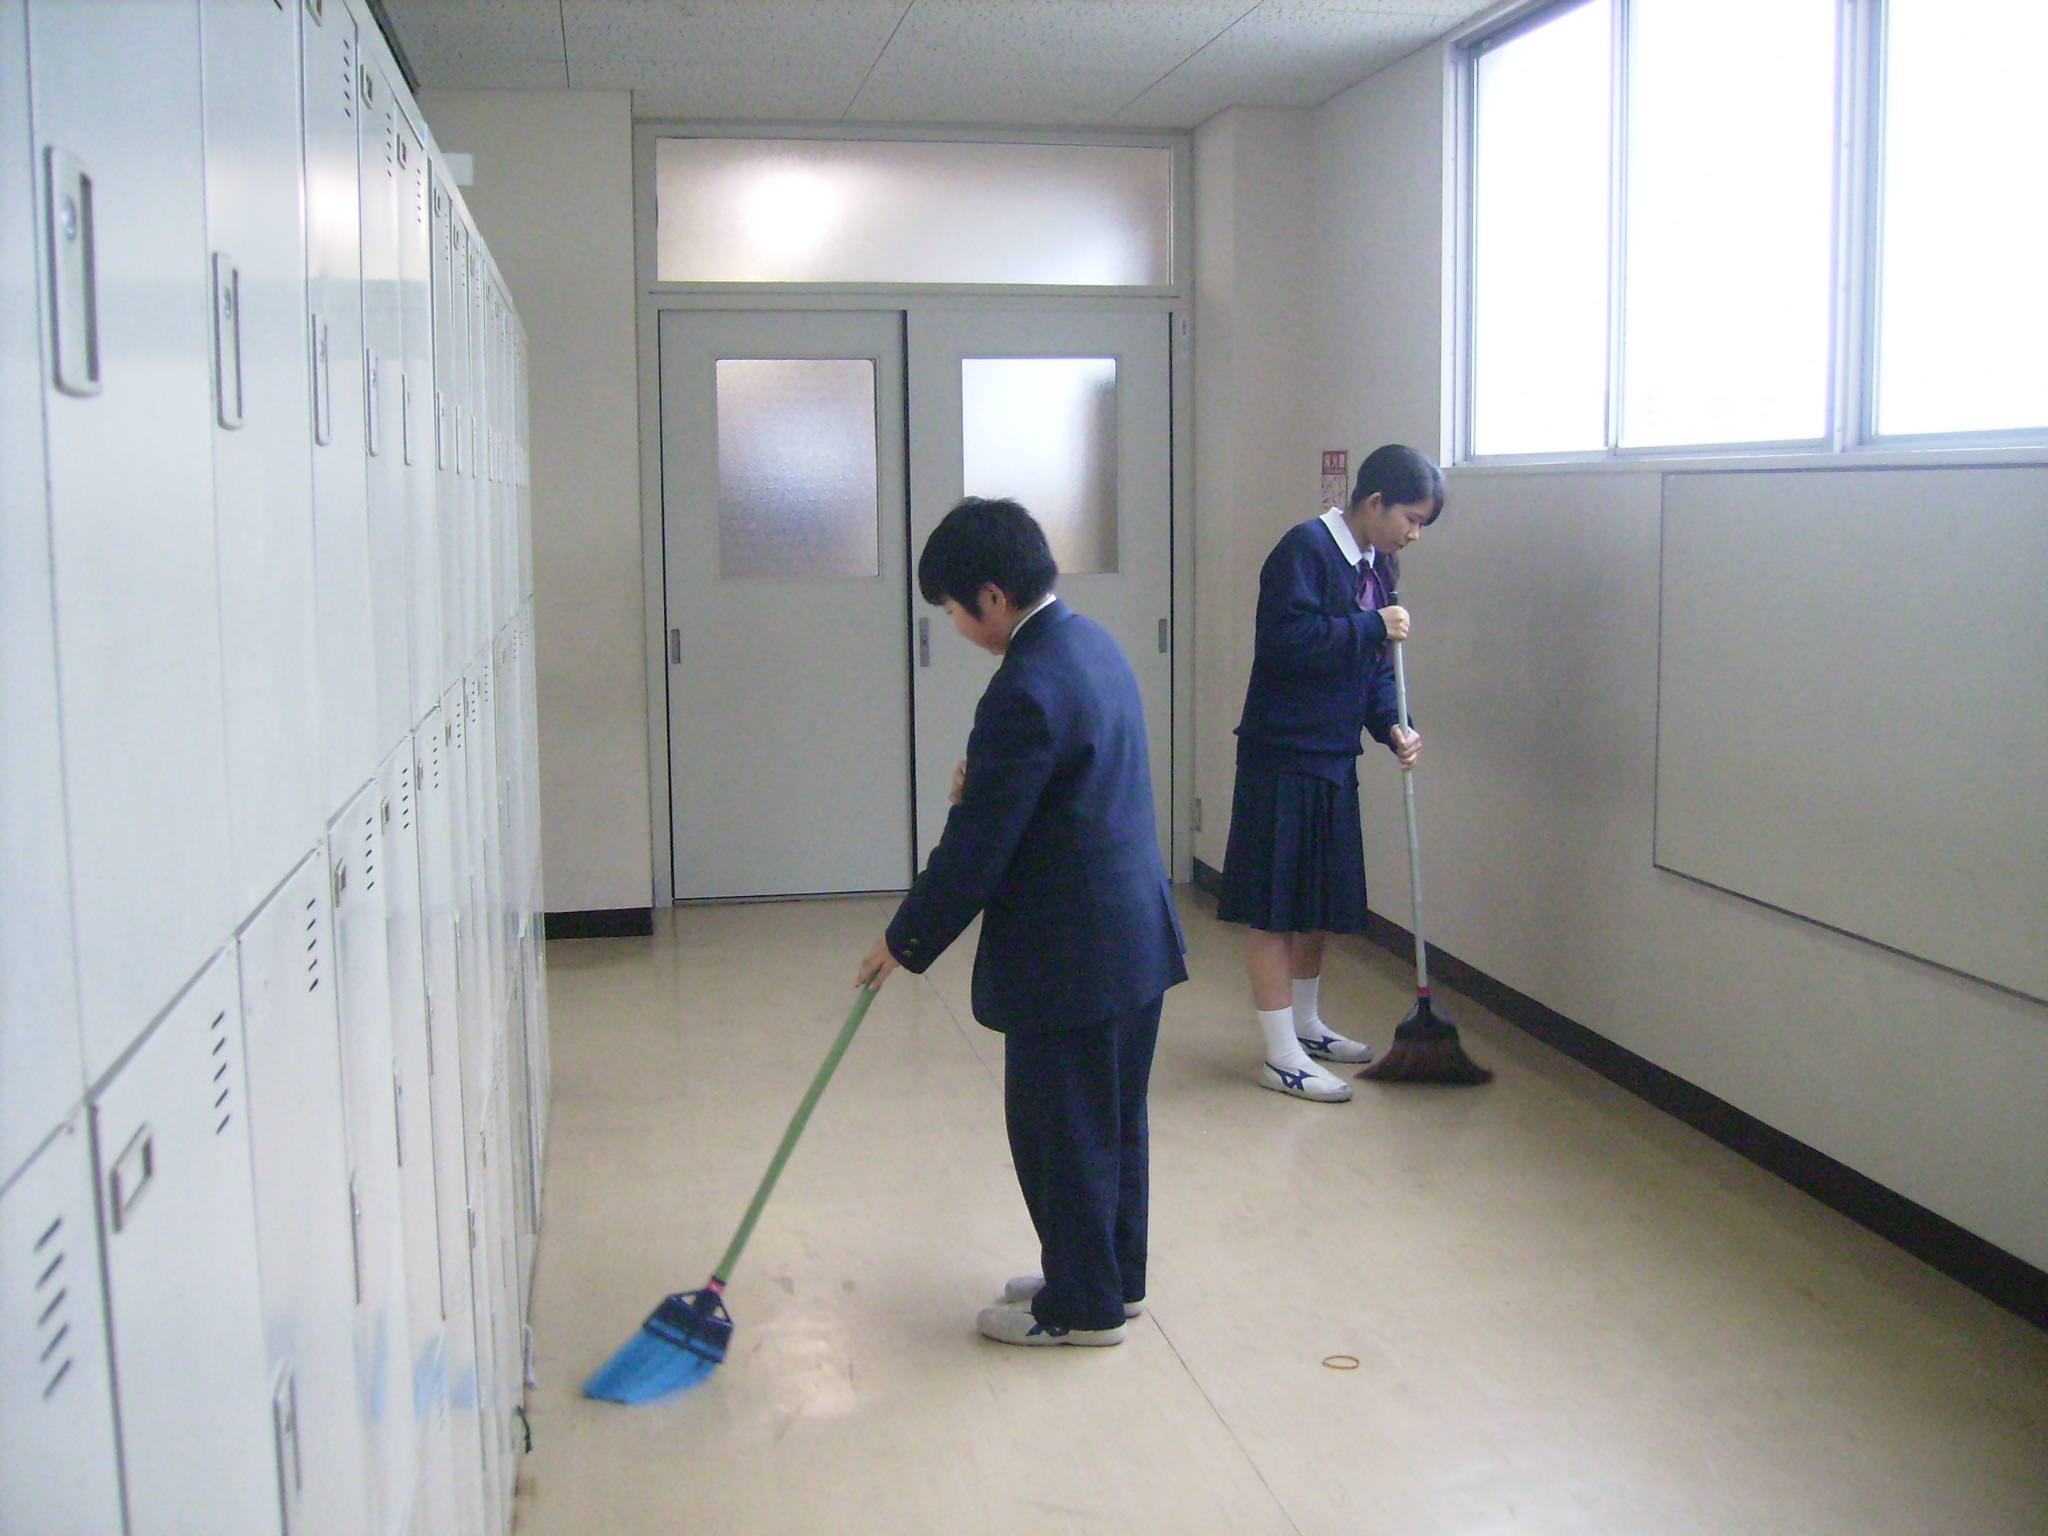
(1534, 674)
(554, 197)
(1256, 419)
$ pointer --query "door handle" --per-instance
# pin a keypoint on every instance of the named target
(227, 341)
(74, 299)
(924, 642)
(131, 1175)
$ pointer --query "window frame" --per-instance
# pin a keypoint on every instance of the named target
(1857, 256)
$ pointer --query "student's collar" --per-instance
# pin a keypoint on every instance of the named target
(1347, 542)
(1031, 613)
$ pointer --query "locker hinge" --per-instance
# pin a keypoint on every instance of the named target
(355, 1236)
(470, 1213)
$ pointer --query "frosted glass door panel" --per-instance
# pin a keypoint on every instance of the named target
(796, 469)
(1043, 430)
(845, 211)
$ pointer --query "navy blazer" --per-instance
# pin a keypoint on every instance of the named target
(1053, 841)
(1320, 676)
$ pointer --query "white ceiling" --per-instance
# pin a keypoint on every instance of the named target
(1041, 63)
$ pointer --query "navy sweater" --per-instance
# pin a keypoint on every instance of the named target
(1320, 676)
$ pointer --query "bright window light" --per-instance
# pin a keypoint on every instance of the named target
(1963, 264)
(1540, 237)
(1728, 260)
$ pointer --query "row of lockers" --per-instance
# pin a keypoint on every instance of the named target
(272, 1014)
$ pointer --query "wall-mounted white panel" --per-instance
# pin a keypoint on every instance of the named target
(59, 1475)
(262, 452)
(41, 1069)
(178, 1219)
(127, 298)
(304, 1224)
(378, 122)
(346, 610)
(371, 1091)
(1853, 705)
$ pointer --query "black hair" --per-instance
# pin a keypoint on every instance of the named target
(981, 543)
(1402, 477)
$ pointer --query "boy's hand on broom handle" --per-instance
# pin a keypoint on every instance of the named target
(876, 966)
(1396, 620)
(1406, 745)
(959, 782)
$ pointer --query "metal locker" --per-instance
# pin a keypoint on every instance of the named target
(59, 1468)
(178, 1222)
(127, 309)
(377, 120)
(350, 748)
(451, 327)
(416, 386)
(412, 1063)
(42, 1073)
(262, 472)
(370, 1090)
(440, 844)
(305, 1227)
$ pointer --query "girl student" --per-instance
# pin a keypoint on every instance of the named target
(1294, 868)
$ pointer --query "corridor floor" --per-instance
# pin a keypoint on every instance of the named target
(1568, 1312)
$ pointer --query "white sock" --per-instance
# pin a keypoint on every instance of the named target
(1308, 1021)
(1283, 1046)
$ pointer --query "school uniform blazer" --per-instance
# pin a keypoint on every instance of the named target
(1053, 842)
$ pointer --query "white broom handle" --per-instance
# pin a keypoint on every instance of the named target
(1414, 836)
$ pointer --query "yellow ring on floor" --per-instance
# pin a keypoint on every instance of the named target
(1341, 1362)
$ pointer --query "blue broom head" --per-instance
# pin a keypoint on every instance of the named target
(680, 1344)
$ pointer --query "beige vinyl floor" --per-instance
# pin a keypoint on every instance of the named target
(1569, 1313)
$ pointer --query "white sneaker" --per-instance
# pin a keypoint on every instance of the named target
(1329, 1047)
(1019, 1290)
(1311, 1083)
(1016, 1325)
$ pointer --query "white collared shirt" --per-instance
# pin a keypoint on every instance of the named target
(1032, 612)
(1347, 543)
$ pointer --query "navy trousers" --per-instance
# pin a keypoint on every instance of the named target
(1075, 1103)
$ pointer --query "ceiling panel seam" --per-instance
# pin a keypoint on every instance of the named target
(875, 63)
(562, 21)
(1221, 33)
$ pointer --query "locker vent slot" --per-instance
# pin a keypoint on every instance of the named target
(50, 1301)
(221, 1075)
(348, 78)
(314, 958)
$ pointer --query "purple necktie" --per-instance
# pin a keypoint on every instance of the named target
(1368, 585)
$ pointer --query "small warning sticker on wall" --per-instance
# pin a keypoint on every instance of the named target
(1336, 477)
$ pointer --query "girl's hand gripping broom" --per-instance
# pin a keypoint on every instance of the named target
(685, 1337)
(1425, 1048)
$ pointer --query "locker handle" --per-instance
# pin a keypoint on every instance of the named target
(1165, 637)
(132, 1173)
(323, 392)
(74, 296)
(372, 397)
(227, 342)
(924, 642)
(405, 414)
(675, 647)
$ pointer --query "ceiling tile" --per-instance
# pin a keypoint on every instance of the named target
(458, 44)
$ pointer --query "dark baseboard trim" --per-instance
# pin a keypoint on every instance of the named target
(2000, 1277)
(609, 923)
(1208, 881)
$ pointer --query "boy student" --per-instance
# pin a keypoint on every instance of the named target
(1294, 868)
(1051, 839)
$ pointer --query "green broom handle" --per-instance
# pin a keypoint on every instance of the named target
(797, 1122)
(1408, 794)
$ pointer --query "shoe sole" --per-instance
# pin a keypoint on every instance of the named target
(1016, 1298)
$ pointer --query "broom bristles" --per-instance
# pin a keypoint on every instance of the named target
(679, 1345)
(1426, 1050)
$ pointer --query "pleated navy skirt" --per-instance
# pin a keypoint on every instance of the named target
(1295, 862)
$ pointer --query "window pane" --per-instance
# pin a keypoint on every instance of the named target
(1539, 232)
(1962, 296)
(796, 469)
(1729, 255)
(1043, 430)
(849, 211)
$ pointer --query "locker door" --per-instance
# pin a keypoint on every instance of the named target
(413, 1065)
(263, 487)
(128, 326)
(350, 749)
(440, 845)
(384, 394)
(371, 1089)
(59, 1475)
(416, 401)
(304, 1227)
(42, 1072)
(444, 227)
(178, 1220)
